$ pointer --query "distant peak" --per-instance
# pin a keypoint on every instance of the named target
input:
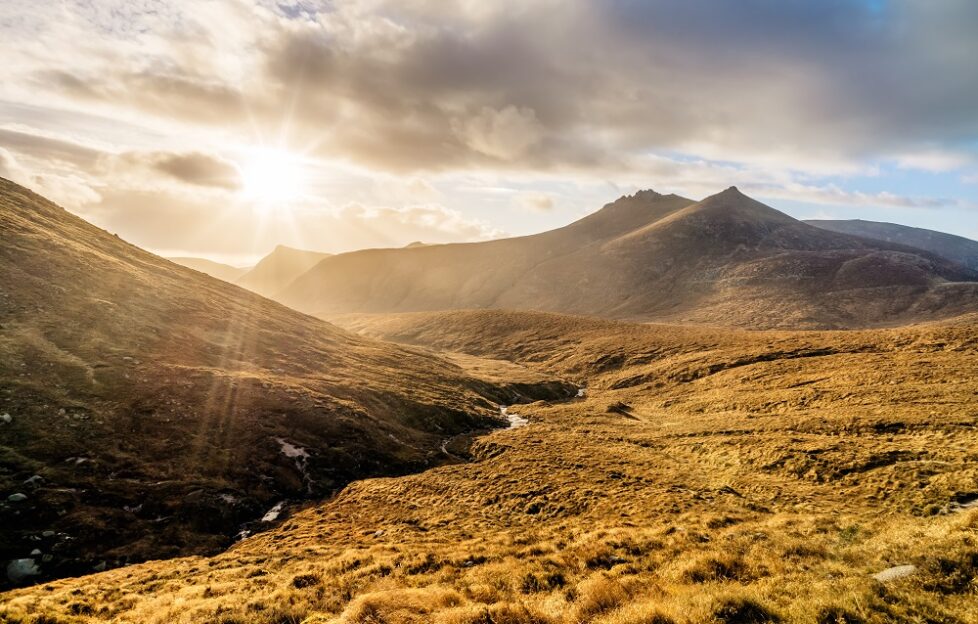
(730, 194)
(287, 249)
(645, 194)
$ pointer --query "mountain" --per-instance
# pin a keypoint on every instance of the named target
(727, 259)
(221, 271)
(955, 248)
(148, 410)
(278, 269)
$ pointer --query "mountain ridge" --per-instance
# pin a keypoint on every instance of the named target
(278, 269)
(727, 259)
(955, 248)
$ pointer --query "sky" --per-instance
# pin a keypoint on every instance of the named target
(221, 128)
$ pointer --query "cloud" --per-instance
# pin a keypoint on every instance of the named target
(50, 147)
(430, 222)
(539, 202)
(430, 86)
(195, 168)
(8, 164)
(935, 160)
(505, 134)
(834, 195)
(421, 85)
(387, 95)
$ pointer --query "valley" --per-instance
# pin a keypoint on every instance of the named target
(462, 312)
(706, 475)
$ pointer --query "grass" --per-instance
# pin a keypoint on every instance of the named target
(149, 403)
(753, 477)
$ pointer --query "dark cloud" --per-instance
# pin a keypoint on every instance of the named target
(196, 168)
(193, 168)
(178, 93)
(49, 148)
(587, 84)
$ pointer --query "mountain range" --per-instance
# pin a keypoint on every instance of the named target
(726, 260)
(258, 465)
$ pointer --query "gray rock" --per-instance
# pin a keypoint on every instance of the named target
(19, 569)
(894, 573)
(6, 418)
(17, 497)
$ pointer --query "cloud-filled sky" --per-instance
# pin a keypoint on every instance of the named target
(220, 128)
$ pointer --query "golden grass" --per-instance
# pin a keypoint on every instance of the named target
(707, 477)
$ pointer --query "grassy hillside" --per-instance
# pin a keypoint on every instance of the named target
(706, 476)
(727, 260)
(148, 410)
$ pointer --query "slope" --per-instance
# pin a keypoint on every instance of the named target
(725, 260)
(278, 269)
(471, 275)
(955, 248)
(147, 410)
(707, 476)
(219, 270)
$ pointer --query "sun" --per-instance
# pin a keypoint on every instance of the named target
(272, 179)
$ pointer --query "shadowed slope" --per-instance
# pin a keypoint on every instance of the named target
(955, 248)
(147, 410)
(726, 260)
(462, 275)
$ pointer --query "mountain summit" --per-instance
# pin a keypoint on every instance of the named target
(727, 259)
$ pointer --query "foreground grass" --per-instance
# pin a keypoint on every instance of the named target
(707, 476)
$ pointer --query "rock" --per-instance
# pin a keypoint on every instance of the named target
(19, 569)
(6, 418)
(896, 572)
(36, 552)
(47, 534)
(100, 567)
(34, 481)
(17, 497)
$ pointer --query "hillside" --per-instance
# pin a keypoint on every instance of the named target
(707, 476)
(279, 269)
(726, 260)
(955, 248)
(221, 271)
(148, 410)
